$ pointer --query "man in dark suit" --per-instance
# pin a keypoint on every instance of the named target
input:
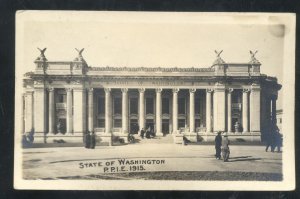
(218, 144)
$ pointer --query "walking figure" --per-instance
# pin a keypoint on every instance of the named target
(225, 149)
(218, 143)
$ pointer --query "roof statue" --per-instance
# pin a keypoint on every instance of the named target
(79, 57)
(253, 58)
(42, 56)
(219, 60)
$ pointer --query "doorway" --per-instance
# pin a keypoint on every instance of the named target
(165, 126)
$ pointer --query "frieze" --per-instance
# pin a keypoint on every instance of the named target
(151, 69)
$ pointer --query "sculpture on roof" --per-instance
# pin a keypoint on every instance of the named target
(79, 57)
(253, 58)
(219, 60)
(42, 56)
(79, 52)
(218, 53)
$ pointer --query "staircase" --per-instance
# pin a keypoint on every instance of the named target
(168, 139)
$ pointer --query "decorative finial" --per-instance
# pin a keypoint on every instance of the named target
(79, 52)
(218, 53)
(79, 57)
(253, 58)
(219, 60)
(42, 56)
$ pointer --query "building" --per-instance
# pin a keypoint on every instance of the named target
(65, 99)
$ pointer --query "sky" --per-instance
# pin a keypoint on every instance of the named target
(152, 39)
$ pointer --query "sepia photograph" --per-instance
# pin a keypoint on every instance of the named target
(154, 101)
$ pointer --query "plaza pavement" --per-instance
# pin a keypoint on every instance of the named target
(58, 162)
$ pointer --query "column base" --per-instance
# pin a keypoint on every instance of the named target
(159, 134)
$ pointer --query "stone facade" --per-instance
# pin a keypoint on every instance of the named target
(64, 100)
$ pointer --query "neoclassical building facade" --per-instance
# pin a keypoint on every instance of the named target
(66, 99)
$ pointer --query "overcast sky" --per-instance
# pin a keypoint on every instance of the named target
(151, 39)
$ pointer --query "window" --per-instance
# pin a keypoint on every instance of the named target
(117, 123)
(101, 123)
(117, 106)
(62, 98)
(165, 106)
(149, 106)
(181, 106)
(181, 123)
(101, 105)
(197, 123)
(197, 106)
(133, 106)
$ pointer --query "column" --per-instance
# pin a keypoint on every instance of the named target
(69, 111)
(91, 110)
(192, 110)
(29, 111)
(245, 110)
(141, 108)
(229, 112)
(39, 111)
(158, 111)
(22, 113)
(107, 110)
(124, 110)
(51, 111)
(219, 108)
(175, 110)
(79, 110)
(208, 110)
(255, 108)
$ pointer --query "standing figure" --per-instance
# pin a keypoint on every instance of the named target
(148, 131)
(87, 143)
(278, 141)
(225, 148)
(218, 143)
(142, 133)
(93, 140)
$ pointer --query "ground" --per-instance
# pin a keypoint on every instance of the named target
(151, 161)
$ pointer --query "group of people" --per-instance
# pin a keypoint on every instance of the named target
(90, 140)
(149, 133)
(222, 146)
(274, 140)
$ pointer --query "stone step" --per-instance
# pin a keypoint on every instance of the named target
(156, 140)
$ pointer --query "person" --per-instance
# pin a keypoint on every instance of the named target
(142, 133)
(269, 142)
(148, 133)
(87, 143)
(218, 143)
(93, 140)
(278, 141)
(225, 148)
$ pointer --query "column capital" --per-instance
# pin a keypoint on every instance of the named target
(175, 90)
(158, 90)
(192, 90)
(246, 90)
(50, 89)
(90, 90)
(107, 90)
(230, 90)
(142, 90)
(209, 90)
(124, 90)
(69, 89)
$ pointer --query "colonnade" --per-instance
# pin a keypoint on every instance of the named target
(80, 115)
